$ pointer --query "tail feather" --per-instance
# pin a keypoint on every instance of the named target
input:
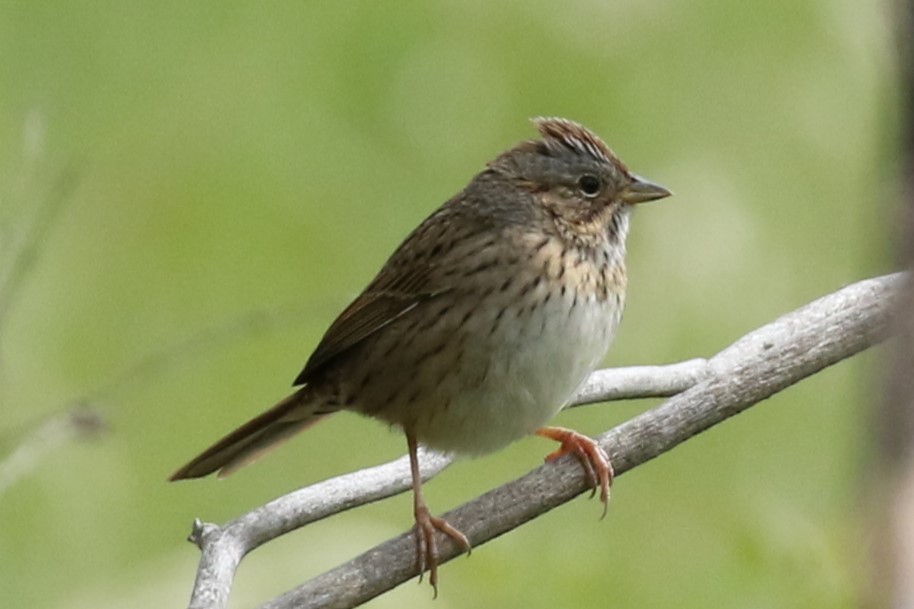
(256, 437)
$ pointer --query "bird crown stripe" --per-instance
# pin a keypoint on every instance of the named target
(592, 149)
(576, 137)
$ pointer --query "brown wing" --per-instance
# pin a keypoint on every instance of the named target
(421, 269)
(406, 281)
(366, 315)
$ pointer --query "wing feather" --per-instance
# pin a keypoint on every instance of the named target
(366, 315)
(406, 281)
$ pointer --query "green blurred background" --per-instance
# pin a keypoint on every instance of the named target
(240, 171)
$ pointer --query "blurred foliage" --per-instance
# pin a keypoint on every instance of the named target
(242, 169)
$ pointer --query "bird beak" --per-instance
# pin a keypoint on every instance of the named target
(641, 190)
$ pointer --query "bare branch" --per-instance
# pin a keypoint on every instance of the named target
(757, 366)
(640, 382)
(224, 547)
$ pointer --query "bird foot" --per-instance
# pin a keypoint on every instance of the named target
(594, 459)
(427, 545)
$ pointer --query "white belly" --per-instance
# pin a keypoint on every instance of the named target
(516, 379)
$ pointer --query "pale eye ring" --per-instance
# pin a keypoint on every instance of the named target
(589, 185)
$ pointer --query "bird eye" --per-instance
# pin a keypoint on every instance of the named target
(589, 185)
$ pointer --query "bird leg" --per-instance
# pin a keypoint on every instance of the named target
(426, 524)
(593, 458)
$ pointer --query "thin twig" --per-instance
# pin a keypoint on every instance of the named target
(79, 421)
(25, 247)
(98, 401)
(755, 367)
(640, 382)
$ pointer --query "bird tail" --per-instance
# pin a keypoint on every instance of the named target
(258, 436)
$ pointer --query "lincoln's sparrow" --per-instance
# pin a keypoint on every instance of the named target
(484, 321)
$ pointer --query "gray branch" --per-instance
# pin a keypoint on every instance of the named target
(706, 392)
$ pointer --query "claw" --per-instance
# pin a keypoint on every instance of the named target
(427, 545)
(426, 525)
(594, 460)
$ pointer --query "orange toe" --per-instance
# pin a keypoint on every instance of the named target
(593, 459)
